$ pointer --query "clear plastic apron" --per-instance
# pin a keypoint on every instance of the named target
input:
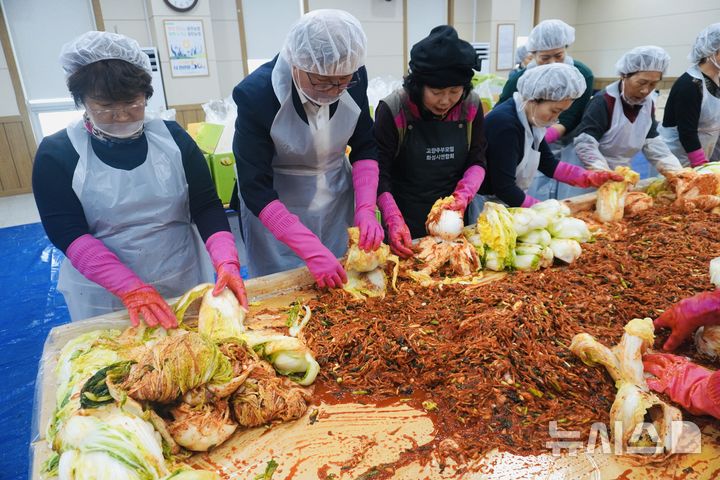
(528, 166)
(619, 144)
(311, 176)
(142, 215)
(708, 124)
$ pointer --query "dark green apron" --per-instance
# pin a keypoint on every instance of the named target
(431, 160)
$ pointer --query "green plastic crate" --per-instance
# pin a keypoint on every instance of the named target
(206, 135)
(222, 168)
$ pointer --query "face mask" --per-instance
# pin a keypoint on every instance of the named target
(120, 130)
(627, 100)
(539, 124)
(319, 99)
(713, 61)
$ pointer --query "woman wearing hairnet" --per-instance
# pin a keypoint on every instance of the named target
(691, 125)
(548, 43)
(430, 137)
(117, 193)
(296, 115)
(515, 132)
(620, 120)
(522, 58)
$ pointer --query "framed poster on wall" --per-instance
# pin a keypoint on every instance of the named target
(186, 48)
(505, 54)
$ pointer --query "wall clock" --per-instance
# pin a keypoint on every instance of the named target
(181, 5)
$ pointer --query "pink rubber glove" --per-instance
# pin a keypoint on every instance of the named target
(467, 187)
(365, 182)
(398, 231)
(224, 256)
(153, 307)
(688, 315)
(529, 201)
(93, 259)
(551, 135)
(694, 387)
(697, 157)
(579, 177)
(288, 228)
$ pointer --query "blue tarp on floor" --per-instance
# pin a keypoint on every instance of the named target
(30, 306)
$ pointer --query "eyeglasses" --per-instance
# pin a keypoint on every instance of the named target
(110, 113)
(326, 87)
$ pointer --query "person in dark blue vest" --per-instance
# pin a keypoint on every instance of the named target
(515, 132)
(298, 193)
(548, 42)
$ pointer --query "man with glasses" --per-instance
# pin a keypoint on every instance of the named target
(298, 192)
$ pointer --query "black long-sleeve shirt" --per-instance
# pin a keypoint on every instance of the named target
(682, 109)
(60, 209)
(505, 150)
(387, 137)
(253, 146)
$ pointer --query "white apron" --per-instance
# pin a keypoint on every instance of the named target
(311, 175)
(708, 124)
(142, 215)
(528, 166)
(619, 144)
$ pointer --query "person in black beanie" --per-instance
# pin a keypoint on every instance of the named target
(430, 137)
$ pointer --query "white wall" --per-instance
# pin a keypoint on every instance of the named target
(128, 17)
(185, 90)
(227, 45)
(464, 19)
(503, 12)
(605, 30)
(567, 10)
(382, 22)
(8, 105)
(38, 29)
(267, 25)
(143, 21)
(527, 16)
(422, 16)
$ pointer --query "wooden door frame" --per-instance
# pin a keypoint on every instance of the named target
(243, 36)
(16, 83)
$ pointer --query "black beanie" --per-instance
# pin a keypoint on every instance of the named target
(442, 59)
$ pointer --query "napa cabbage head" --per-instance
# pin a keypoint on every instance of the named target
(497, 231)
(288, 355)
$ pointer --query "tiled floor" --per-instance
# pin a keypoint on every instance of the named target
(18, 210)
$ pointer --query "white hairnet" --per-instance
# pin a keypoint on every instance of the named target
(706, 44)
(643, 59)
(326, 42)
(92, 47)
(549, 35)
(554, 81)
(521, 53)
